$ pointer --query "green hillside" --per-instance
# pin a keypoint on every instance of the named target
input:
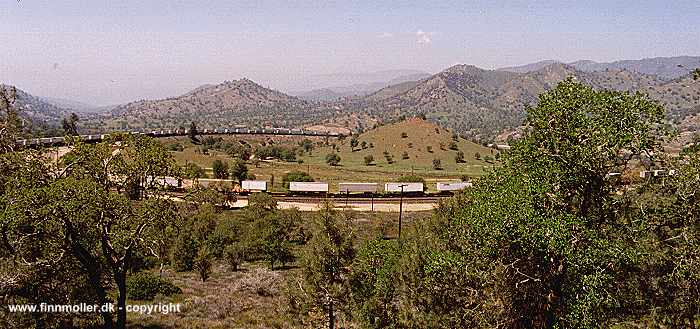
(423, 142)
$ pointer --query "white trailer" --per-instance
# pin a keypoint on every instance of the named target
(357, 187)
(308, 187)
(452, 186)
(407, 187)
(254, 185)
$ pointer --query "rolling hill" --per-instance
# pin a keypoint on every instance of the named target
(478, 103)
(483, 103)
(662, 67)
(43, 114)
(424, 141)
(225, 104)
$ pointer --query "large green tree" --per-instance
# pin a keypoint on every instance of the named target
(71, 211)
(540, 242)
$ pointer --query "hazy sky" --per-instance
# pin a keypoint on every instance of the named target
(105, 52)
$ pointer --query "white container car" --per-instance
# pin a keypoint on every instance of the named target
(452, 186)
(357, 187)
(308, 187)
(407, 187)
(254, 185)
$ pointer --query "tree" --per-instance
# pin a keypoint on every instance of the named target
(220, 169)
(353, 142)
(10, 122)
(539, 242)
(405, 156)
(374, 281)
(235, 255)
(203, 263)
(83, 220)
(325, 265)
(696, 74)
(363, 145)
(404, 134)
(453, 146)
(239, 170)
(332, 159)
(437, 165)
(459, 158)
(184, 252)
(429, 149)
(70, 125)
(192, 171)
(192, 133)
(477, 155)
(369, 159)
(296, 176)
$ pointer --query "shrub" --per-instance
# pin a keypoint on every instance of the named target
(459, 158)
(404, 155)
(404, 135)
(437, 164)
(429, 149)
(296, 176)
(202, 263)
(145, 286)
(453, 146)
(220, 169)
(368, 159)
(332, 159)
(234, 255)
(183, 252)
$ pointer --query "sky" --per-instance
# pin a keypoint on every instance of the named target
(109, 52)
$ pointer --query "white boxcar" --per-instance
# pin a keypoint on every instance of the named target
(357, 187)
(308, 186)
(407, 187)
(254, 185)
(452, 186)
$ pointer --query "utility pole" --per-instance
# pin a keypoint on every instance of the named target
(400, 208)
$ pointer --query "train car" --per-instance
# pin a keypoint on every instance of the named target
(308, 187)
(357, 187)
(407, 187)
(254, 185)
(452, 186)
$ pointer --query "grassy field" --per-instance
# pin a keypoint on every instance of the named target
(423, 142)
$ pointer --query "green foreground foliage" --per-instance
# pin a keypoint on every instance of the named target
(548, 240)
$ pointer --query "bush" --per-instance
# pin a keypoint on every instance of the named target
(404, 155)
(296, 176)
(459, 158)
(404, 135)
(202, 263)
(437, 164)
(453, 146)
(332, 159)
(368, 159)
(145, 286)
(184, 252)
(220, 169)
(234, 255)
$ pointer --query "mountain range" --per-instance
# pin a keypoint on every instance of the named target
(476, 102)
(663, 67)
